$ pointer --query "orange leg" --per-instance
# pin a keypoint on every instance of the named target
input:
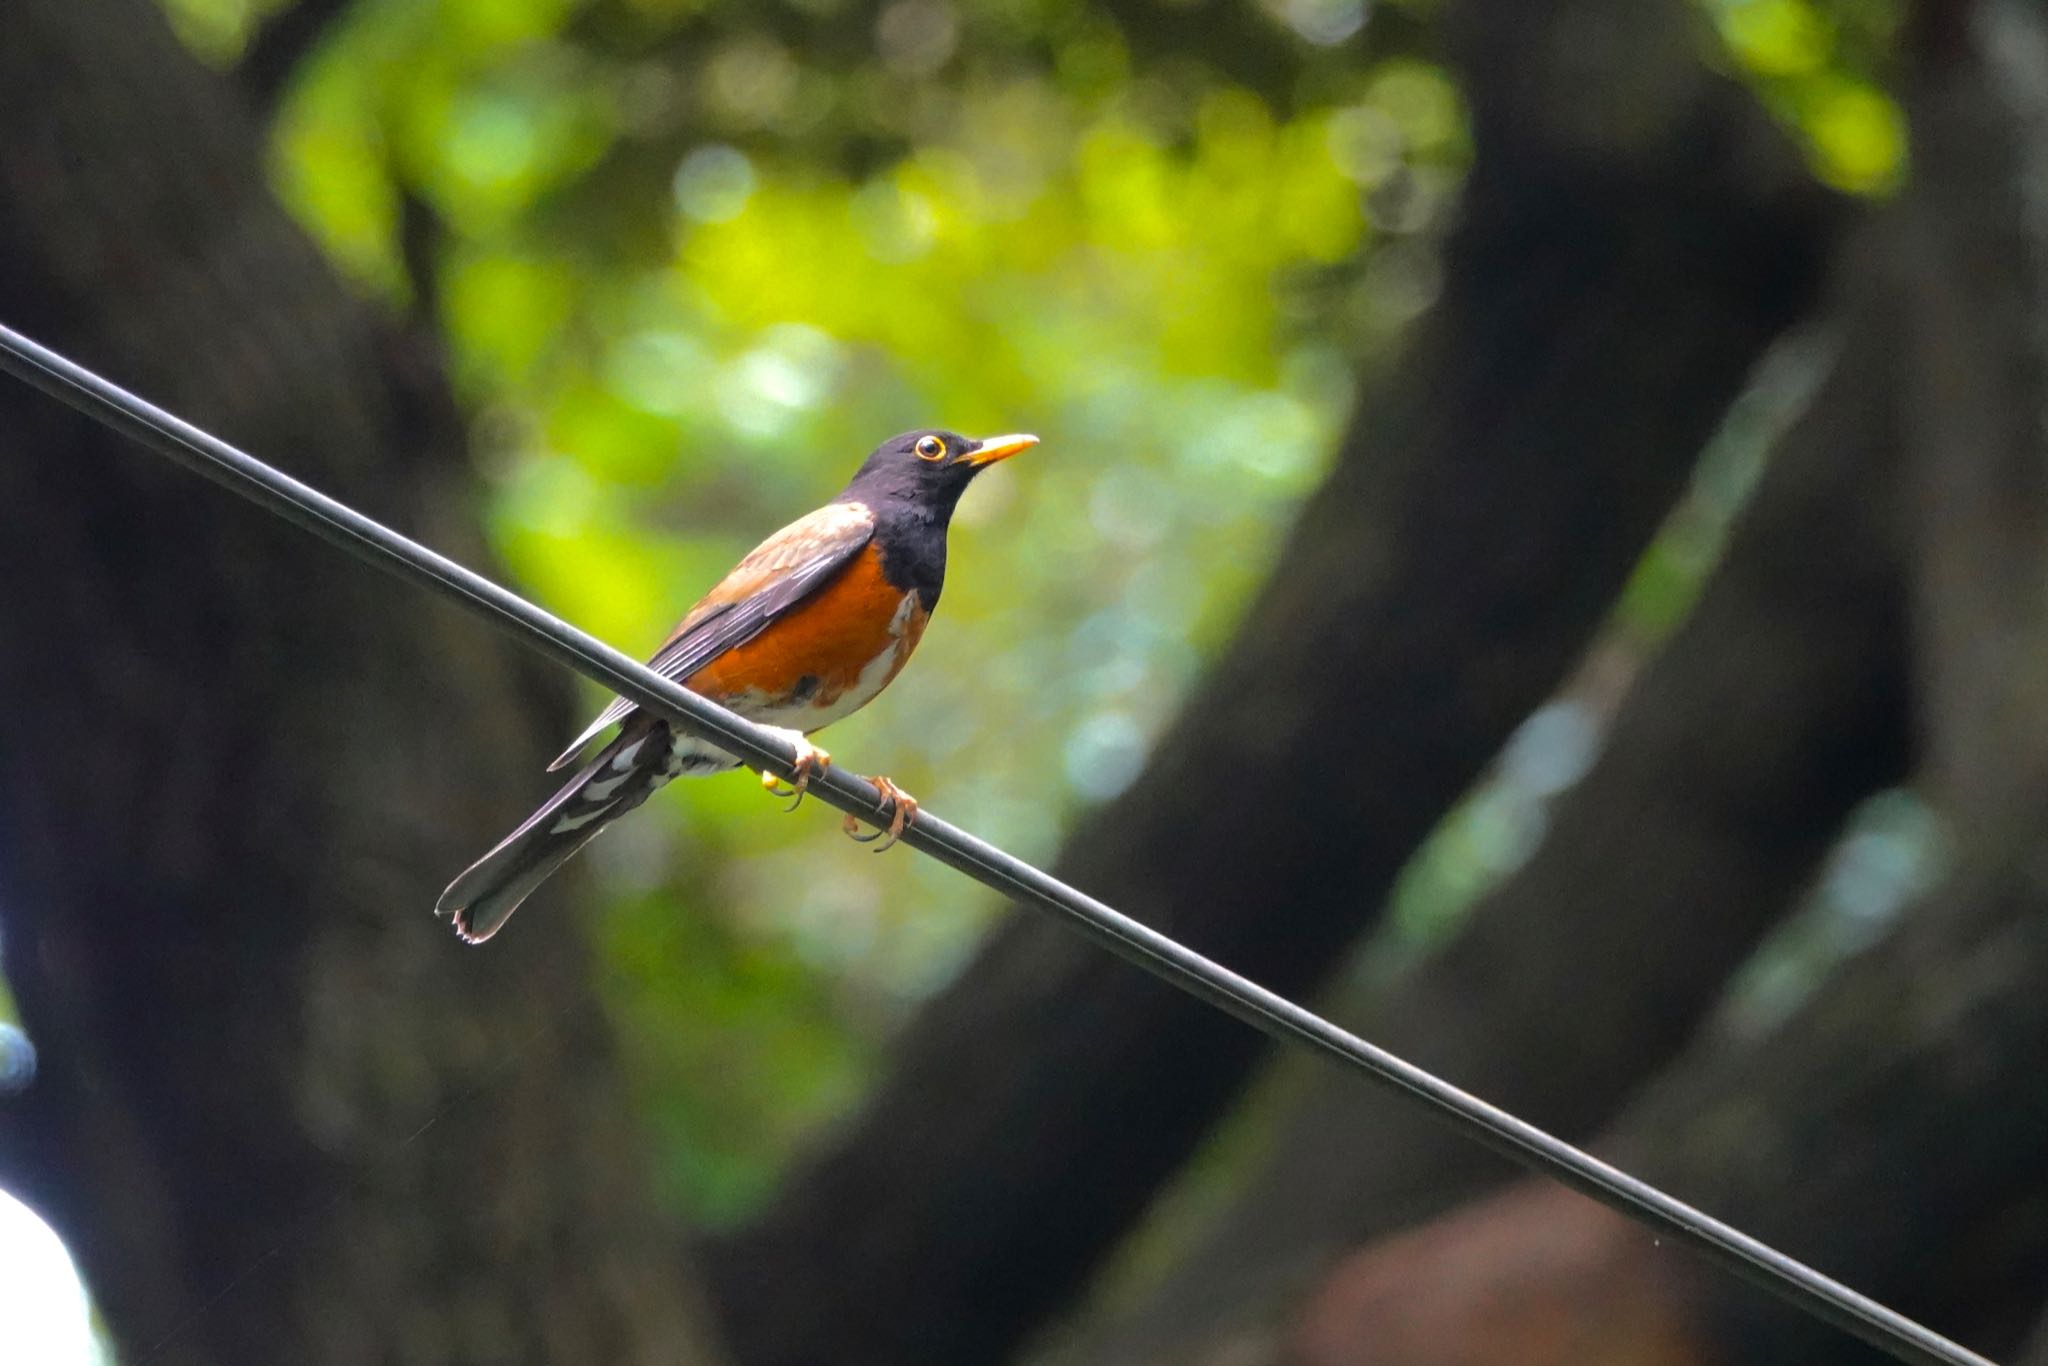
(809, 760)
(902, 811)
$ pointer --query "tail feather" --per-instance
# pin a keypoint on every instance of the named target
(621, 777)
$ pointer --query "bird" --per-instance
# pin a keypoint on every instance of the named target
(808, 628)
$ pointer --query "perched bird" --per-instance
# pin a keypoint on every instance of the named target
(808, 628)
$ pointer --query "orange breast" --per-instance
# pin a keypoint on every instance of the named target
(829, 655)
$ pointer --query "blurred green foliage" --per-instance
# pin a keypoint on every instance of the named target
(690, 259)
(1823, 66)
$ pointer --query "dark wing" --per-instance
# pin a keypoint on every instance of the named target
(775, 576)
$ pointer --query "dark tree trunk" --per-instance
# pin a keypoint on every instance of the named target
(234, 771)
(281, 44)
(2035, 1353)
(1487, 505)
(1891, 1136)
(1892, 1131)
(1777, 706)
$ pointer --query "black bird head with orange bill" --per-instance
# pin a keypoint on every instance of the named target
(928, 469)
(911, 484)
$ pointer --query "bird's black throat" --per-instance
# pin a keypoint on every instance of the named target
(910, 537)
(911, 484)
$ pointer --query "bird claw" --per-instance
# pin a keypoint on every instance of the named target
(810, 760)
(902, 809)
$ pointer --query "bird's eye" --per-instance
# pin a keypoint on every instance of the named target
(930, 448)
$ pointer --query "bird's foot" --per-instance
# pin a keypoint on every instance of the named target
(810, 760)
(902, 809)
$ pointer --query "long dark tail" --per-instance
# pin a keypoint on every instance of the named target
(621, 777)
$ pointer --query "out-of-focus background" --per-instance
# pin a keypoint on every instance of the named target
(1539, 548)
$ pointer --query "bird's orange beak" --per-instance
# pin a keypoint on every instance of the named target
(999, 448)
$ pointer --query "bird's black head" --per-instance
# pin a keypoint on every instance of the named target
(929, 469)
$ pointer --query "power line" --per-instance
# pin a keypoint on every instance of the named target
(1265, 1011)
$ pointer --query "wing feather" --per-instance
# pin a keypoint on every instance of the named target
(774, 576)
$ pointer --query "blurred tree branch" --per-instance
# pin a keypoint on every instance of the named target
(1891, 1131)
(282, 44)
(421, 237)
(1777, 706)
(233, 772)
(1890, 1134)
(1602, 303)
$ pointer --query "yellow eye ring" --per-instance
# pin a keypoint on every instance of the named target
(930, 448)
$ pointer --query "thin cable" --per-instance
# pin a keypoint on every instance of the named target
(1164, 958)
